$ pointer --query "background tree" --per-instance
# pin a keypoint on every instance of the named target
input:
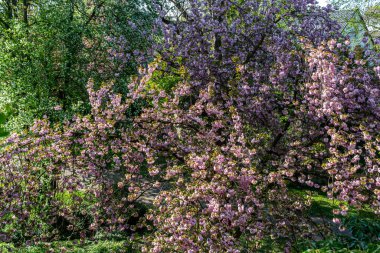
(369, 10)
(49, 49)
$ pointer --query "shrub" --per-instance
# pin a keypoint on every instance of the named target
(259, 107)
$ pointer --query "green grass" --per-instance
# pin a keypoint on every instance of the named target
(102, 246)
(362, 225)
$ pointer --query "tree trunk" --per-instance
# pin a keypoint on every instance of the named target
(25, 11)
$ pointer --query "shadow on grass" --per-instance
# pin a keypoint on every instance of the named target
(359, 230)
(99, 246)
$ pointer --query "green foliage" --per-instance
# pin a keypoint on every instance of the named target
(3, 118)
(369, 11)
(45, 61)
(334, 245)
(361, 227)
(102, 246)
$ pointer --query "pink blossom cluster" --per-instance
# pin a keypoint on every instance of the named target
(90, 160)
(343, 96)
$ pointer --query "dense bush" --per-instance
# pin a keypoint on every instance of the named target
(47, 59)
(259, 97)
(72, 179)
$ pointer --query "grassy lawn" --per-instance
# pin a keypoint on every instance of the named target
(361, 233)
(101, 246)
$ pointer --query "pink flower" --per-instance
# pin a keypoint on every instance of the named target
(58, 108)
